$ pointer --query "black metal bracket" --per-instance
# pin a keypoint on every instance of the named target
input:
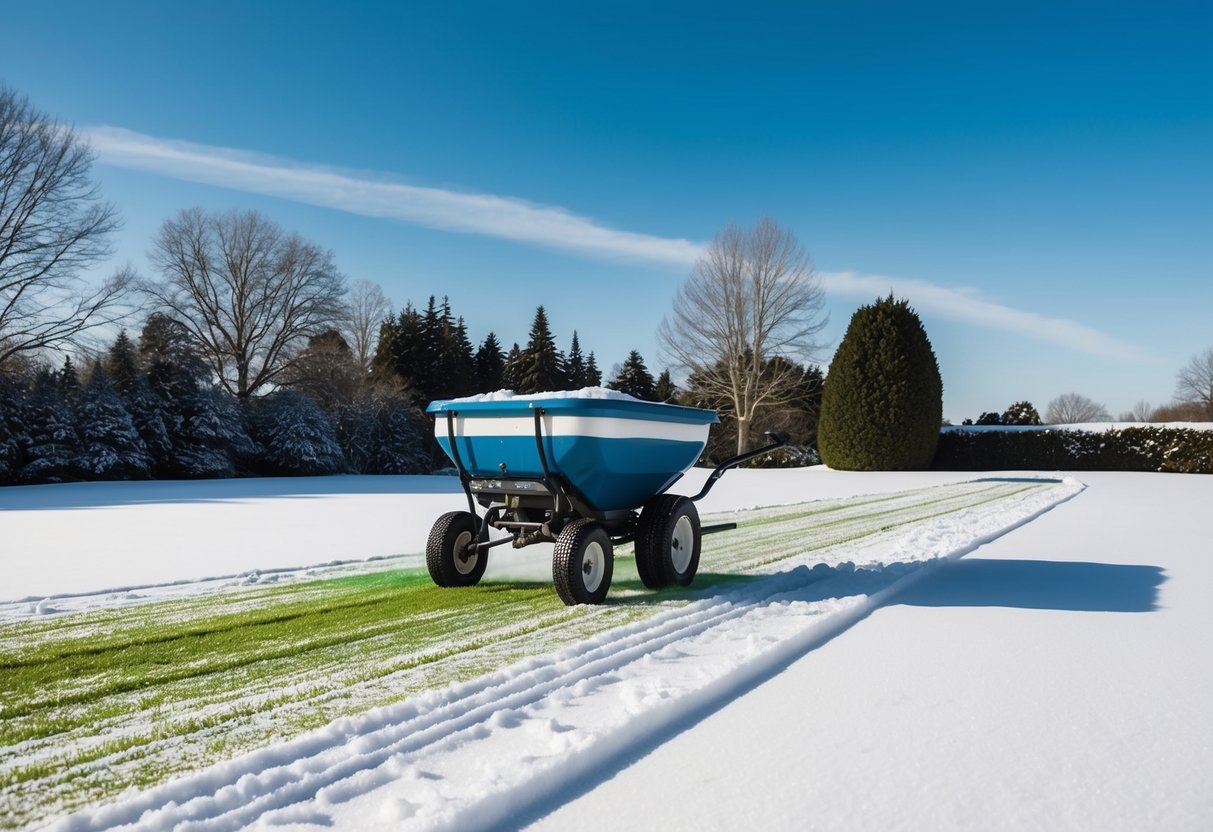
(551, 484)
(465, 480)
(564, 492)
(778, 440)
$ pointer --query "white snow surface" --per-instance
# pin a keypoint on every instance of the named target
(583, 393)
(1043, 664)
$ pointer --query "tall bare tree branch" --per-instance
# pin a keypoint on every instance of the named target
(1073, 409)
(754, 296)
(367, 308)
(53, 226)
(1195, 382)
(249, 293)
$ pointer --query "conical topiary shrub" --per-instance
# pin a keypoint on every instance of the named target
(882, 404)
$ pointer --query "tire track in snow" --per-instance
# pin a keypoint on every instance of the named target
(473, 755)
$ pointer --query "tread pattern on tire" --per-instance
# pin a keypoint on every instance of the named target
(567, 562)
(653, 535)
(440, 550)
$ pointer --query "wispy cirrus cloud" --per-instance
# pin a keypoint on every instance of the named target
(494, 216)
(516, 219)
(968, 307)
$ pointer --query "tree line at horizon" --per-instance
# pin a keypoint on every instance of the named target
(149, 407)
(260, 357)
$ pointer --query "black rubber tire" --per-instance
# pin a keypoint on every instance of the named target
(444, 550)
(581, 572)
(663, 537)
(647, 561)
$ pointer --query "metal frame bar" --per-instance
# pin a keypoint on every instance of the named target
(778, 441)
(465, 478)
(551, 484)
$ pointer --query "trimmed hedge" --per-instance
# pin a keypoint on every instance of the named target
(1178, 450)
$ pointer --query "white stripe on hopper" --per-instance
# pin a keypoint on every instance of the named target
(599, 427)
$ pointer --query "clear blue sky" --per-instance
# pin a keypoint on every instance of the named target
(1037, 178)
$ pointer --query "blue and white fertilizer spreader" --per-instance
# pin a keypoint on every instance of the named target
(584, 472)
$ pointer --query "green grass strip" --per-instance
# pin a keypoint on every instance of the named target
(97, 702)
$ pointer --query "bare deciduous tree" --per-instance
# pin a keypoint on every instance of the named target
(53, 226)
(1140, 412)
(1073, 408)
(1195, 382)
(1179, 412)
(367, 308)
(754, 296)
(249, 293)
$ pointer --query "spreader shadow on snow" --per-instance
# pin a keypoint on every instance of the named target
(1039, 585)
(853, 594)
(979, 582)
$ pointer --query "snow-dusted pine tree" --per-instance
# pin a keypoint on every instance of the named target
(296, 436)
(152, 422)
(209, 437)
(12, 431)
(50, 455)
(381, 434)
(110, 447)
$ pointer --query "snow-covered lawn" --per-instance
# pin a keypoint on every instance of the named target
(1056, 677)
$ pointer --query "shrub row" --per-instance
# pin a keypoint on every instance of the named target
(1179, 450)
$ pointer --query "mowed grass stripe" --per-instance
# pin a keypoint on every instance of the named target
(96, 702)
(777, 542)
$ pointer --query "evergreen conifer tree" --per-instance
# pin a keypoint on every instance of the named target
(69, 381)
(12, 436)
(122, 364)
(490, 365)
(665, 390)
(190, 430)
(541, 364)
(110, 446)
(380, 433)
(50, 453)
(428, 373)
(296, 435)
(883, 400)
(208, 434)
(167, 350)
(510, 372)
(1021, 413)
(458, 363)
(382, 363)
(593, 376)
(410, 354)
(634, 379)
(151, 422)
(575, 370)
(399, 446)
